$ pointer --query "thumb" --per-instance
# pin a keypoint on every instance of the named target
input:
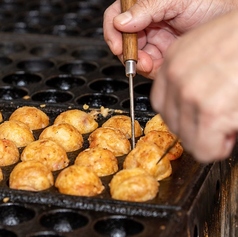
(139, 16)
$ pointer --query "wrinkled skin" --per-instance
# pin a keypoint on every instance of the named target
(198, 97)
(189, 48)
(158, 24)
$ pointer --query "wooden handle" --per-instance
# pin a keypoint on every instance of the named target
(130, 42)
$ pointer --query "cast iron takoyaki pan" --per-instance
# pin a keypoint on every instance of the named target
(181, 195)
(63, 18)
(78, 71)
(55, 74)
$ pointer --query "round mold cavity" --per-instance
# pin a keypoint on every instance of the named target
(7, 233)
(21, 79)
(21, 28)
(35, 65)
(118, 226)
(97, 100)
(64, 30)
(140, 104)
(48, 50)
(108, 85)
(96, 33)
(7, 48)
(52, 96)
(65, 82)
(5, 16)
(4, 61)
(90, 53)
(51, 7)
(12, 93)
(143, 88)
(84, 8)
(14, 214)
(78, 67)
(74, 20)
(63, 220)
(34, 17)
(11, 6)
(114, 71)
(45, 234)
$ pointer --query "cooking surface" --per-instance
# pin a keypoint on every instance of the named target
(61, 17)
(52, 56)
(167, 211)
(174, 192)
(73, 72)
(31, 74)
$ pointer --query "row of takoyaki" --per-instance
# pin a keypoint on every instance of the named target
(137, 181)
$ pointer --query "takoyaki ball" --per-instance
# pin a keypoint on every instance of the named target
(79, 181)
(16, 131)
(146, 156)
(102, 161)
(32, 116)
(9, 153)
(133, 185)
(1, 117)
(1, 175)
(123, 123)
(48, 152)
(111, 139)
(84, 122)
(31, 175)
(163, 139)
(65, 135)
(155, 123)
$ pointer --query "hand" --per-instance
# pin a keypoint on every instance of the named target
(158, 24)
(196, 89)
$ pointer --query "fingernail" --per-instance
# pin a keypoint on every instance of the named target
(124, 18)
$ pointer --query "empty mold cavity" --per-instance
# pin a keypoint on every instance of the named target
(143, 88)
(65, 82)
(64, 30)
(96, 33)
(4, 61)
(7, 48)
(90, 53)
(108, 85)
(217, 197)
(140, 104)
(195, 231)
(7, 233)
(97, 100)
(45, 234)
(84, 8)
(52, 7)
(21, 79)
(115, 71)
(21, 28)
(78, 68)
(74, 19)
(35, 65)
(48, 50)
(63, 220)
(12, 93)
(13, 214)
(52, 96)
(5, 16)
(118, 226)
(35, 18)
(11, 6)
